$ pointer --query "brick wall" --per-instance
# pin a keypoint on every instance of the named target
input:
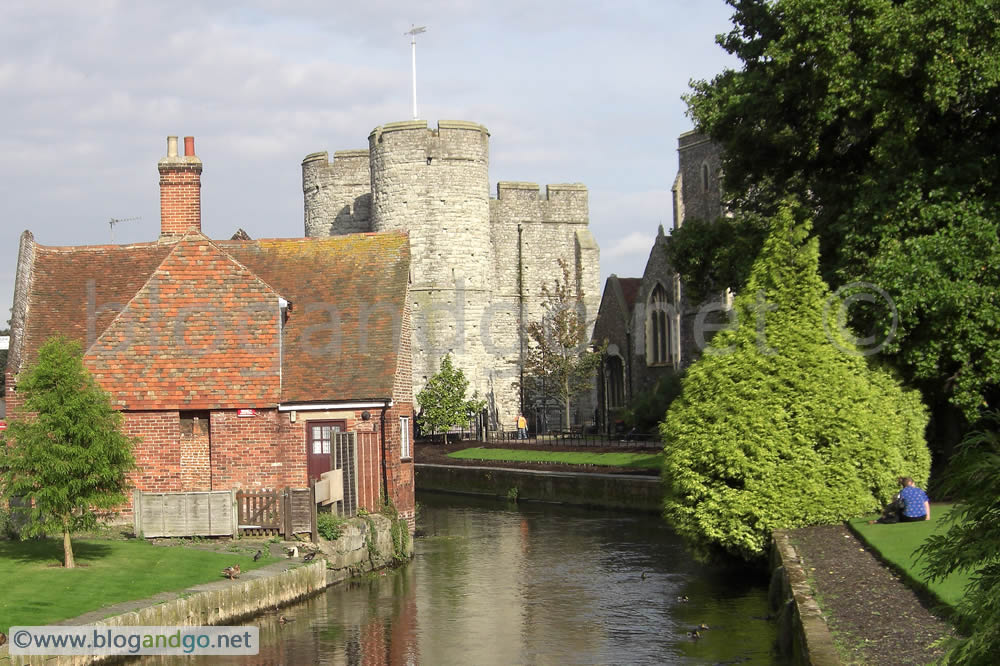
(158, 454)
(195, 451)
(262, 451)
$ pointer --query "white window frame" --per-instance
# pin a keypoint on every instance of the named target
(404, 438)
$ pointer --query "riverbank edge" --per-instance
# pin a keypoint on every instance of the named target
(616, 491)
(803, 633)
(356, 552)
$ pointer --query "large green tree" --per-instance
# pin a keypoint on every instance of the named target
(782, 423)
(880, 116)
(972, 543)
(443, 401)
(558, 361)
(66, 454)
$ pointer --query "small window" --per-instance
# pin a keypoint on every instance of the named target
(704, 178)
(404, 437)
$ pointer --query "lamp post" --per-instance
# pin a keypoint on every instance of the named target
(413, 32)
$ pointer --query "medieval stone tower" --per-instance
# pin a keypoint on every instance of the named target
(478, 263)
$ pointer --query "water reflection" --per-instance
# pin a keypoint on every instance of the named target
(493, 583)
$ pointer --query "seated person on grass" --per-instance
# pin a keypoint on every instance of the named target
(916, 505)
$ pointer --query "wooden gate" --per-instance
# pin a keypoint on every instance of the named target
(283, 512)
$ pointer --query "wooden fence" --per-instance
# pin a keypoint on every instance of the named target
(284, 512)
(185, 514)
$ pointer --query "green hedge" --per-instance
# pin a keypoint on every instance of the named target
(783, 423)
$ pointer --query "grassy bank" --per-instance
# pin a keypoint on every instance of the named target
(650, 461)
(38, 591)
(897, 545)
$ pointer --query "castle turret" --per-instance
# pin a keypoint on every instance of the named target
(435, 185)
(337, 194)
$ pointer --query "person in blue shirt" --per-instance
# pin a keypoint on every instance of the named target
(916, 505)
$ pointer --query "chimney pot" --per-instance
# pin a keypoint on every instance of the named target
(180, 189)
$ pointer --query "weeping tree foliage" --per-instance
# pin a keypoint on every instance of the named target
(782, 423)
(558, 361)
(881, 117)
(65, 451)
(442, 401)
(972, 542)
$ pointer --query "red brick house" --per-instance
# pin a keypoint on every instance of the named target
(235, 361)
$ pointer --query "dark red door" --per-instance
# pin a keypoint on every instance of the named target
(319, 442)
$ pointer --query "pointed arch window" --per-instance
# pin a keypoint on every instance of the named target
(616, 382)
(704, 177)
(658, 326)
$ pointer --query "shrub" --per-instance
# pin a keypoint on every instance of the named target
(779, 424)
(329, 526)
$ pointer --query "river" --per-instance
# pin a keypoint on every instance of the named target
(529, 583)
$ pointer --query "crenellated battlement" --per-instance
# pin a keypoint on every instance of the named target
(413, 142)
(522, 201)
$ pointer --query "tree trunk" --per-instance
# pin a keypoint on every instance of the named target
(69, 562)
(566, 393)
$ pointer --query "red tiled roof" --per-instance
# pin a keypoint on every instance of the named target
(198, 322)
(348, 293)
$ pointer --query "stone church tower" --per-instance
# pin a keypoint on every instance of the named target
(478, 263)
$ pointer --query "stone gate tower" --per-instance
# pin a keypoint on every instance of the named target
(478, 263)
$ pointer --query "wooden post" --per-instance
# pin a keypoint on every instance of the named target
(286, 513)
(312, 512)
(137, 512)
(235, 512)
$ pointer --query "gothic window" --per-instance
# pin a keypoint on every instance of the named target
(616, 382)
(658, 328)
(704, 177)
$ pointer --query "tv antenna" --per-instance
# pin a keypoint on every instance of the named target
(413, 32)
(118, 220)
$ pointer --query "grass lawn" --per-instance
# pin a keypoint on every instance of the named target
(651, 461)
(37, 590)
(897, 543)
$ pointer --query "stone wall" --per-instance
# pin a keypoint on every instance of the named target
(478, 264)
(19, 314)
(350, 554)
(803, 635)
(622, 491)
(698, 188)
(337, 194)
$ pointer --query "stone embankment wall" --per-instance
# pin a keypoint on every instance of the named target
(366, 544)
(802, 631)
(644, 493)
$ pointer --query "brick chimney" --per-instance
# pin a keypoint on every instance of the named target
(180, 189)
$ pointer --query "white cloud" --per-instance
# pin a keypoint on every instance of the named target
(635, 244)
(91, 89)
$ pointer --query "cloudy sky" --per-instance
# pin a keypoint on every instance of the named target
(571, 92)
